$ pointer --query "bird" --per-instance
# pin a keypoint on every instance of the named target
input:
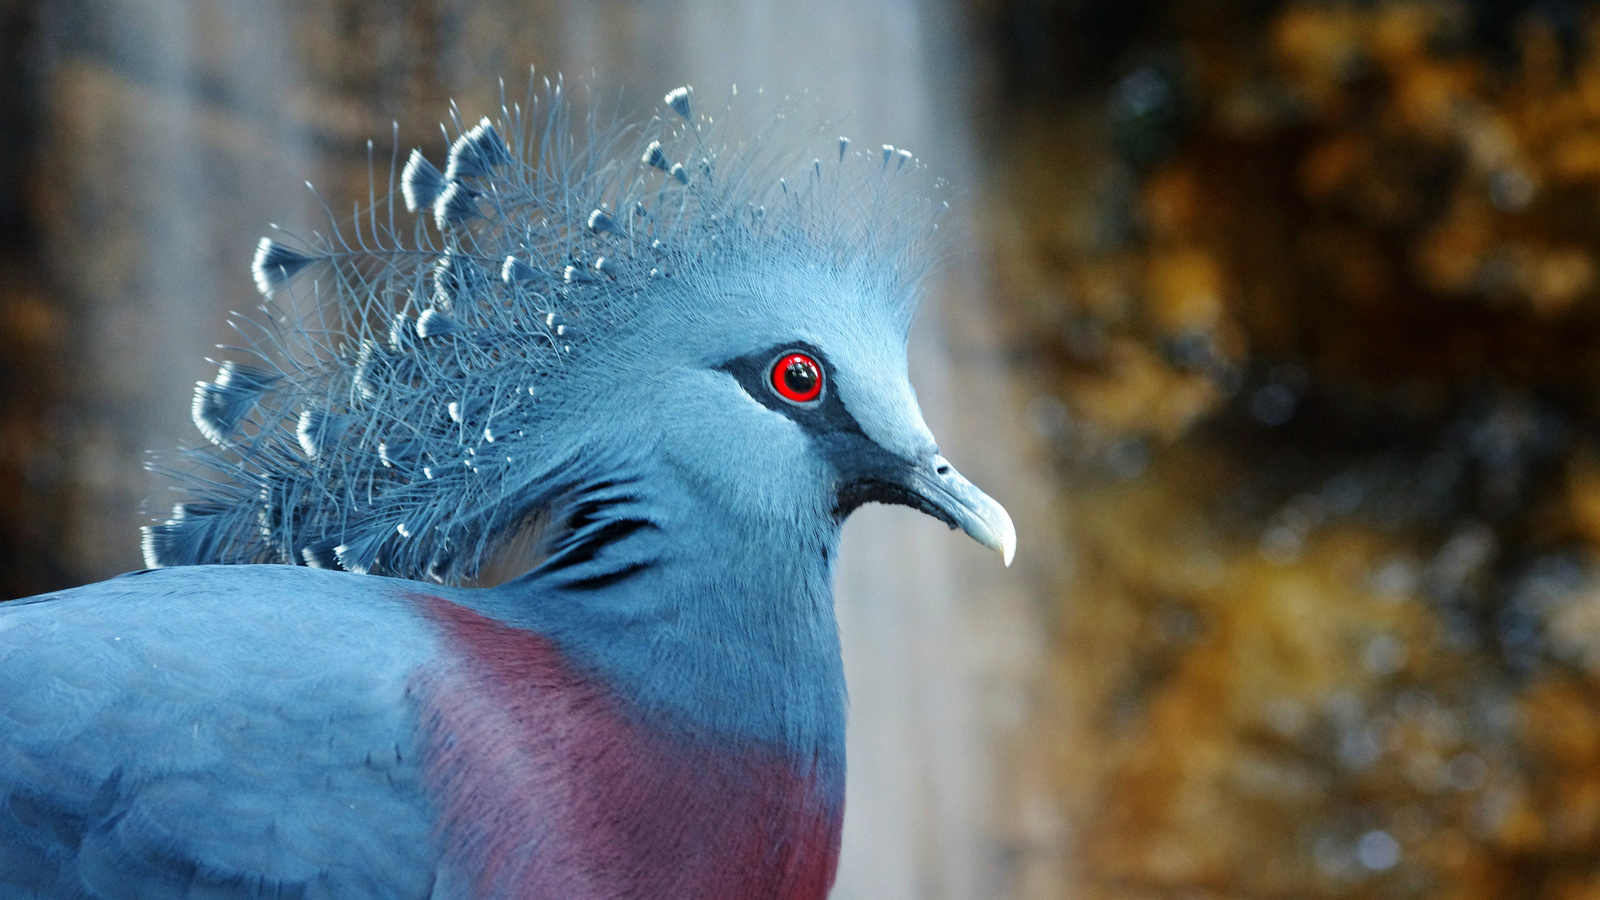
(650, 366)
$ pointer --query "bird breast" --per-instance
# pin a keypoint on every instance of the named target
(549, 785)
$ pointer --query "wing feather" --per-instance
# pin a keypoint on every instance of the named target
(220, 733)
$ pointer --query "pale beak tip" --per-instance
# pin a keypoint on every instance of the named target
(996, 531)
(963, 506)
(1008, 539)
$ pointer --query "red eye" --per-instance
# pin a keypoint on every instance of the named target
(797, 378)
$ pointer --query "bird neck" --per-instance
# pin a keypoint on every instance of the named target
(709, 622)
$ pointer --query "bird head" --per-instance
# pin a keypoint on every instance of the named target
(581, 312)
(800, 400)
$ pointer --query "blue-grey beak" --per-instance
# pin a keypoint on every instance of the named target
(960, 504)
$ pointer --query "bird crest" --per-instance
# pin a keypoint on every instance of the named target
(452, 367)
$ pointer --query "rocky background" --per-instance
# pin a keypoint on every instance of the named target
(1301, 302)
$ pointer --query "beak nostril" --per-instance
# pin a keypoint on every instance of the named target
(956, 502)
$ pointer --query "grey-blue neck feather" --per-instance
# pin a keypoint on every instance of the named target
(729, 620)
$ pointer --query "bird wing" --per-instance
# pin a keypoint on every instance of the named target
(227, 733)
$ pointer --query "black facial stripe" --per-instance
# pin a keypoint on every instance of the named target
(868, 473)
(858, 493)
(821, 417)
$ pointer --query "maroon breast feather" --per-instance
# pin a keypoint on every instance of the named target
(550, 785)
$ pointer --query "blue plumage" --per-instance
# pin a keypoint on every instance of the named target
(674, 358)
(179, 730)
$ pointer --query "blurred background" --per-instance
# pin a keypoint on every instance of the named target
(1275, 324)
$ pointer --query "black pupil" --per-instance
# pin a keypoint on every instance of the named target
(800, 376)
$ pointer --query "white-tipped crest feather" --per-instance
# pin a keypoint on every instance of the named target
(549, 248)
